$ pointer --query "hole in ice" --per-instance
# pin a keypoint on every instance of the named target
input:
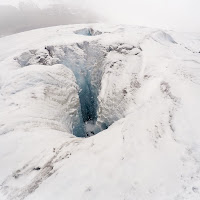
(88, 102)
(37, 168)
(88, 32)
(86, 62)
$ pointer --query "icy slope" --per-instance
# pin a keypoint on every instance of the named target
(140, 84)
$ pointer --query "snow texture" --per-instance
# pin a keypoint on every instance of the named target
(138, 88)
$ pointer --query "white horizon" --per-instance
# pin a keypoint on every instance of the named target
(177, 15)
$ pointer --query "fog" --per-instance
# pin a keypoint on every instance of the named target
(178, 15)
(22, 15)
(26, 17)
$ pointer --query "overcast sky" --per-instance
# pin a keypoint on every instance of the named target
(179, 15)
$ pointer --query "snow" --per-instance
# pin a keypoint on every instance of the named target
(145, 88)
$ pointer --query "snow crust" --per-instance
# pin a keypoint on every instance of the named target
(145, 91)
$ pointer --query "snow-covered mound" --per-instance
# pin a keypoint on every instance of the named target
(33, 93)
(138, 88)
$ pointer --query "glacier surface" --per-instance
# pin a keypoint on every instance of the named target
(137, 87)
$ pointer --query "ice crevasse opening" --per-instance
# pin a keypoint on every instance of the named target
(85, 60)
(94, 67)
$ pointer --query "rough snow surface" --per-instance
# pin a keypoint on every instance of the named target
(138, 88)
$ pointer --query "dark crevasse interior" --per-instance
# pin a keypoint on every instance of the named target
(88, 99)
(88, 103)
(84, 72)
